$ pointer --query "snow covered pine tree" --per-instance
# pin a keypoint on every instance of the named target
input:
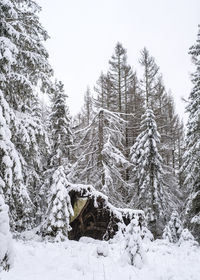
(56, 224)
(61, 134)
(24, 67)
(148, 181)
(133, 244)
(192, 156)
(173, 229)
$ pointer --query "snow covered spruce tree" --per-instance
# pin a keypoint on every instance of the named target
(24, 66)
(99, 159)
(133, 244)
(191, 166)
(162, 103)
(6, 250)
(148, 192)
(61, 134)
(58, 207)
(57, 219)
(36, 156)
(173, 229)
(187, 239)
(11, 174)
(24, 60)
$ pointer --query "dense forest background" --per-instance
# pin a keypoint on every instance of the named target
(127, 142)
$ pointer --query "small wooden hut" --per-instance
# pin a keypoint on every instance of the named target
(94, 216)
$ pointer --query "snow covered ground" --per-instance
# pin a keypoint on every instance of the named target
(73, 260)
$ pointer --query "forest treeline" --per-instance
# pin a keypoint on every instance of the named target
(127, 141)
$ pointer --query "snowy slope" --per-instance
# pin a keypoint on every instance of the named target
(73, 260)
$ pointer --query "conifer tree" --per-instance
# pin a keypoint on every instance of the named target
(60, 127)
(99, 159)
(173, 229)
(121, 76)
(150, 75)
(60, 135)
(38, 158)
(135, 110)
(115, 92)
(11, 174)
(117, 64)
(148, 174)
(88, 106)
(24, 66)
(57, 218)
(149, 81)
(187, 238)
(104, 88)
(192, 156)
(24, 60)
(133, 244)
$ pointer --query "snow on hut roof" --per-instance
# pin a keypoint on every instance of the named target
(90, 192)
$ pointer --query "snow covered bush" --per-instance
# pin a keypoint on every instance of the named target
(173, 229)
(59, 209)
(146, 235)
(127, 216)
(6, 251)
(187, 238)
(133, 244)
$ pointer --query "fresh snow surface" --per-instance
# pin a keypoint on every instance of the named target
(90, 259)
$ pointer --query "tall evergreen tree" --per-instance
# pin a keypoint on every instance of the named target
(192, 155)
(61, 141)
(148, 174)
(23, 58)
(60, 127)
(24, 66)
(57, 218)
(169, 126)
(11, 173)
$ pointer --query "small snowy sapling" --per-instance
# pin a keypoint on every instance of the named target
(173, 229)
(133, 245)
(187, 238)
(57, 223)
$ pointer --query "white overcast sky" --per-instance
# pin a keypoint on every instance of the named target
(83, 34)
